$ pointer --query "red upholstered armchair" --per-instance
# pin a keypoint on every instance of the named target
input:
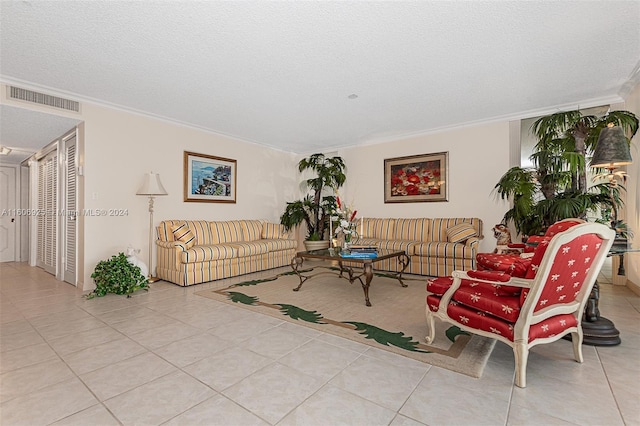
(524, 312)
(517, 264)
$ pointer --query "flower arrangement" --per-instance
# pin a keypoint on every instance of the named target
(345, 216)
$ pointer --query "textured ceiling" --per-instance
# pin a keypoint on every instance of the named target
(280, 73)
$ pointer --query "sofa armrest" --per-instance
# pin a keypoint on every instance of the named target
(180, 246)
(473, 242)
(168, 254)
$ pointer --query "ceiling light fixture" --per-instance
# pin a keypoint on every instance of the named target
(352, 96)
(4, 150)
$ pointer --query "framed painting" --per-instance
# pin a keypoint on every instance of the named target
(416, 178)
(209, 179)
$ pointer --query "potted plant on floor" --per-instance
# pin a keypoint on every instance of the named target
(556, 187)
(314, 208)
(117, 275)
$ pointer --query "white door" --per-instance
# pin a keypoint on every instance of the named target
(47, 208)
(70, 212)
(8, 214)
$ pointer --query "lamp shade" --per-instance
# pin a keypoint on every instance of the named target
(612, 149)
(152, 185)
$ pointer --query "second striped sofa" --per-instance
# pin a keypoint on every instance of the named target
(436, 246)
(196, 251)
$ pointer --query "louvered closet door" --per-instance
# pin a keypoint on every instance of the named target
(70, 210)
(46, 212)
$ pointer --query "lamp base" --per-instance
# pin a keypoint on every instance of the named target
(601, 332)
(151, 279)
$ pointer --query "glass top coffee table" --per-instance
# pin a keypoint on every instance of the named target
(347, 265)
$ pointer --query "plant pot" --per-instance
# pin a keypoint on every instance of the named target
(316, 245)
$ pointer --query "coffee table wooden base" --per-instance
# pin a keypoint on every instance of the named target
(348, 272)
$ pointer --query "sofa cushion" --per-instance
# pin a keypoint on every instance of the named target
(199, 228)
(183, 234)
(440, 225)
(412, 229)
(383, 229)
(251, 229)
(460, 233)
(398, 245)
(226, 232)
(249, 248)
(273, 231)
(444, 250)
(206, 253)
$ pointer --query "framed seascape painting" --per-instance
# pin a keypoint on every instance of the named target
(416, 178)
(209, 179)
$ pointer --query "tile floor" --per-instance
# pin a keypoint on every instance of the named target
(170, 357)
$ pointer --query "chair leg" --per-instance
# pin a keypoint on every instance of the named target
(431, 326)
(576, 339)
(521, 354)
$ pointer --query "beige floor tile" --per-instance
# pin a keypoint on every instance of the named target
(187, 351)
(47, 405)
(96, 415)
(162, 336)
(243, 329)
(29, 355)
(13, 327)
(333, 406)
(125, 375)
(217, 411)
(75, 314)
(227, 367)
(434, 404)
(130, 313)
(275, 342)
(33, 377)
(143, 323)
(593, 404)
(290, 383)
(399, 381)
(172, 394)
(401, 420)
(319, 359)
(85, 339)
(520, 416)
(14, 341)
(273, 392)
(102, 355)
(65, 328)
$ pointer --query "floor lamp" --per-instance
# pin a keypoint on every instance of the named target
(151, 187)
(612, 151)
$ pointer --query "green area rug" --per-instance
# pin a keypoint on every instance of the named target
(395, 322)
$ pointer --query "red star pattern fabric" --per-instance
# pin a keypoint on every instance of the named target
(495, 308)
(515, 265)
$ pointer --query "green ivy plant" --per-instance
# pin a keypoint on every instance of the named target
(117, 275)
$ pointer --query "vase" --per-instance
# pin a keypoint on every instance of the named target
(316, 245)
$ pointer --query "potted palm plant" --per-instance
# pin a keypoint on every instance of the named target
(556, 187)
(314, 208)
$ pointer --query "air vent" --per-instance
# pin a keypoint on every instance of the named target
(42, 99)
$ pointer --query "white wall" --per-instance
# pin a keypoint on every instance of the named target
(478, 157)
(121, 147)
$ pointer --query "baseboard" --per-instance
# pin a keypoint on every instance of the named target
(633, 287)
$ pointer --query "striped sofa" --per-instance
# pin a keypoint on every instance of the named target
(196, 251)
(435, 246)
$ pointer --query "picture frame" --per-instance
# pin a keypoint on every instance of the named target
(417, 178)
(209, 179)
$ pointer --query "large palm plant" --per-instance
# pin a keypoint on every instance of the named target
(314, 208)
(556, 187)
